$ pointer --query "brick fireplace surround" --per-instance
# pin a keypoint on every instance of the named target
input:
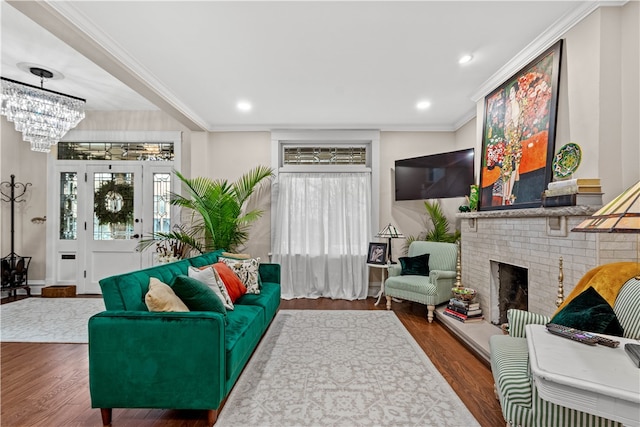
(535, 239)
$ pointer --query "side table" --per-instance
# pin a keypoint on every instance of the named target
(384, 268)
(595, 379)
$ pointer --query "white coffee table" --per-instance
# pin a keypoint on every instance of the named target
(595, 379)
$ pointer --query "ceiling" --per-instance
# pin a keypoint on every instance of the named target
(318, 65)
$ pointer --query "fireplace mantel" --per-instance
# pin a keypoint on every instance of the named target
(533, 212)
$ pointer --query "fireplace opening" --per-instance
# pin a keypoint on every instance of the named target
(509, 289)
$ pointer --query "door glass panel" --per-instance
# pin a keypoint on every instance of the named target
(161, 206)
(113, 206)
(68, 206)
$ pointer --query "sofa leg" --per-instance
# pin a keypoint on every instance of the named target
(106, 416)
(388, 302)
(212, 417)
(430, 310)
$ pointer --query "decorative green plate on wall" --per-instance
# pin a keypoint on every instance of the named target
(567, 160)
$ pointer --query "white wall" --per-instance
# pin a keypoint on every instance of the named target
(28, 167)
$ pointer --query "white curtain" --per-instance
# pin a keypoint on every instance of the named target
(322, 228)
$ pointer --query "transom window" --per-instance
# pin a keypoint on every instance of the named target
(148, 151)
(356, 155)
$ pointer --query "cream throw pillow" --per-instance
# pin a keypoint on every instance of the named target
(161, 297)
(210, 277)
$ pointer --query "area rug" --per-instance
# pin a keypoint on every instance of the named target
(48, 320)
(341, 368)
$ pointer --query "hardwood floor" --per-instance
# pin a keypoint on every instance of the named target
(48, 384)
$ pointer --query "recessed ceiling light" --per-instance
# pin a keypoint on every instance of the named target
(244, 106)
(423, 105)
(465, 59)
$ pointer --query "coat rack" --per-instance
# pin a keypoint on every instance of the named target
(14, 267)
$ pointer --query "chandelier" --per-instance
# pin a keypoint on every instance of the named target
(43, 116)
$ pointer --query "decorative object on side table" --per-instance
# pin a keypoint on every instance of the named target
(377, 253)
(389, 232)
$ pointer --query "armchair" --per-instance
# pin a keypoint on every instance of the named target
(431, 290)
(515, 388)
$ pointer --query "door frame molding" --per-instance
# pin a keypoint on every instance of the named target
(55, 246)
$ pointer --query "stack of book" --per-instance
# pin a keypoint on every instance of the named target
(573, 192)
(464, 311)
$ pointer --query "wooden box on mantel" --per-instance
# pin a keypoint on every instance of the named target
(67, 291)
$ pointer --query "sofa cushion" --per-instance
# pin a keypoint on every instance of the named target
(235, 287)
(197, 295)
(415, 265)
(243, 331)
(127, 291)
(268, 299)
(414, 284)
(205, 259)
(246, 270)
(589, 312)
(161, 297)
(209, 277)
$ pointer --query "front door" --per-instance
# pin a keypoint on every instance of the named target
(115, 226)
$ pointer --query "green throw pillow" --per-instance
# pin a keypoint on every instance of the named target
(414, 265)
(589, 312)
(197, 295)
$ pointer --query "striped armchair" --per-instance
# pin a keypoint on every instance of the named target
(431, 290)
(521, 405)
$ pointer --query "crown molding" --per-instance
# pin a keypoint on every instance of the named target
(66, 22)
(540, 44)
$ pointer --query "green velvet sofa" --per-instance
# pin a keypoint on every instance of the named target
(191, 360)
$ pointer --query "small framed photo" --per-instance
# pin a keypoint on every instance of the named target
(377, 253)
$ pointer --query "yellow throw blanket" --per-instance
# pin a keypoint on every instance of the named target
(606, 279)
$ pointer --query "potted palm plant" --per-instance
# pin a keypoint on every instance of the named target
(216, 215)
(438, 231)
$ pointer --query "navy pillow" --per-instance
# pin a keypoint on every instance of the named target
(197, 296)
(414, 265)
(589, 312)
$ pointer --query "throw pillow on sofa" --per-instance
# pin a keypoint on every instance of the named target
(235, 287)
(247, 271)
(209, 277)
(196, 295)
(160, 297)
(589, 312)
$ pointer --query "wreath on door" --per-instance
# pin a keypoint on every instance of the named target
(113, 203)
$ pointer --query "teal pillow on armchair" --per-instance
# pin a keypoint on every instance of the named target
(414, 265)
(589, 312)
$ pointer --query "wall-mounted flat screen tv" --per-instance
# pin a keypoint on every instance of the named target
(436, 176)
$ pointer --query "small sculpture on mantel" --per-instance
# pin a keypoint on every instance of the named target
(560, 296)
